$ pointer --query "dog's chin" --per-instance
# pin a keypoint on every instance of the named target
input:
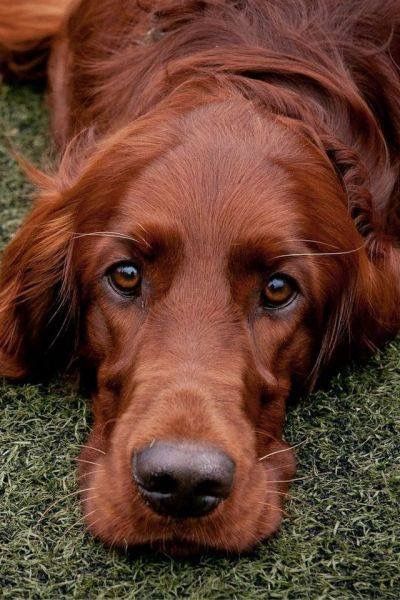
(184, 539)
(182, 547)
(119, 518)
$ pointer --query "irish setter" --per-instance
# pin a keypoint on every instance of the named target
(222, 226)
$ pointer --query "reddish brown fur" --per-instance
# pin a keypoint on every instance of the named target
(228, 140)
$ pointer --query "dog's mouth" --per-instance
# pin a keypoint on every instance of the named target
(179, 516)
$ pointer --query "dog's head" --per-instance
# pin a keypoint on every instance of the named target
(201, 266)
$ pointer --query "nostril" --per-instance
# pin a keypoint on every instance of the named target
(147, 476)
(205, 488)
(210, 487)
(163, 483)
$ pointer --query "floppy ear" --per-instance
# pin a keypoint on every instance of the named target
(354, 177)
(36, 292)
(372, 306)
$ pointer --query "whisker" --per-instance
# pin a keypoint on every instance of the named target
(89, 462)
(94, 522)
(86, 515)
(91, 473)
(114, 541)
(287, 495)
(321, 253)
(283, 450)
(110, 234)
(312, 242)
(142, 228)
(90, 448)
(296, 478)
(279, 466)
(281, 510)
(75, 493)
(78, 522)
(261, 432)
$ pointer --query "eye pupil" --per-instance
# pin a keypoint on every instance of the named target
(279, 291)
(127, 272)
(124, 278)
(276, 284)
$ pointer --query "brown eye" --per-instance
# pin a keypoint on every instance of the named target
(280, 291)
(125, 278)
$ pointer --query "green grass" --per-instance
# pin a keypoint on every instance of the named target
(342, 536)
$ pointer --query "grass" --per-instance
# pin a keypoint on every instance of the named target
(342, 536)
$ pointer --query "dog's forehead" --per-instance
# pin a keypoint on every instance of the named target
(218, 192)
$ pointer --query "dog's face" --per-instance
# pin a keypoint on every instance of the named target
(212, 272)
(199, 314)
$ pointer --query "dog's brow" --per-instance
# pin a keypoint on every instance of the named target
(298, 254)
(112, 234)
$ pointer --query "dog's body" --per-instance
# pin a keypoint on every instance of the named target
(222, 225)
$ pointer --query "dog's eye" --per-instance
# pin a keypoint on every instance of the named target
(280, 291)
(125, 278)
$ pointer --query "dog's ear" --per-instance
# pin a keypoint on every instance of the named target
(371, 307)
(376, 308)
(356, 183)
(36, 291)
(366, 313)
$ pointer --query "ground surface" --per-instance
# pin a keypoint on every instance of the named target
(342, 536)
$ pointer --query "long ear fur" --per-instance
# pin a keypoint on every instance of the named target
(24, 23)
(368, 314)
(36, 296)
(26, 30)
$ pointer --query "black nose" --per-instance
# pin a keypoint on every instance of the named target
(183, 479)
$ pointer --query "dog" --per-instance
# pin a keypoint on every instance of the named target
(221, 229)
